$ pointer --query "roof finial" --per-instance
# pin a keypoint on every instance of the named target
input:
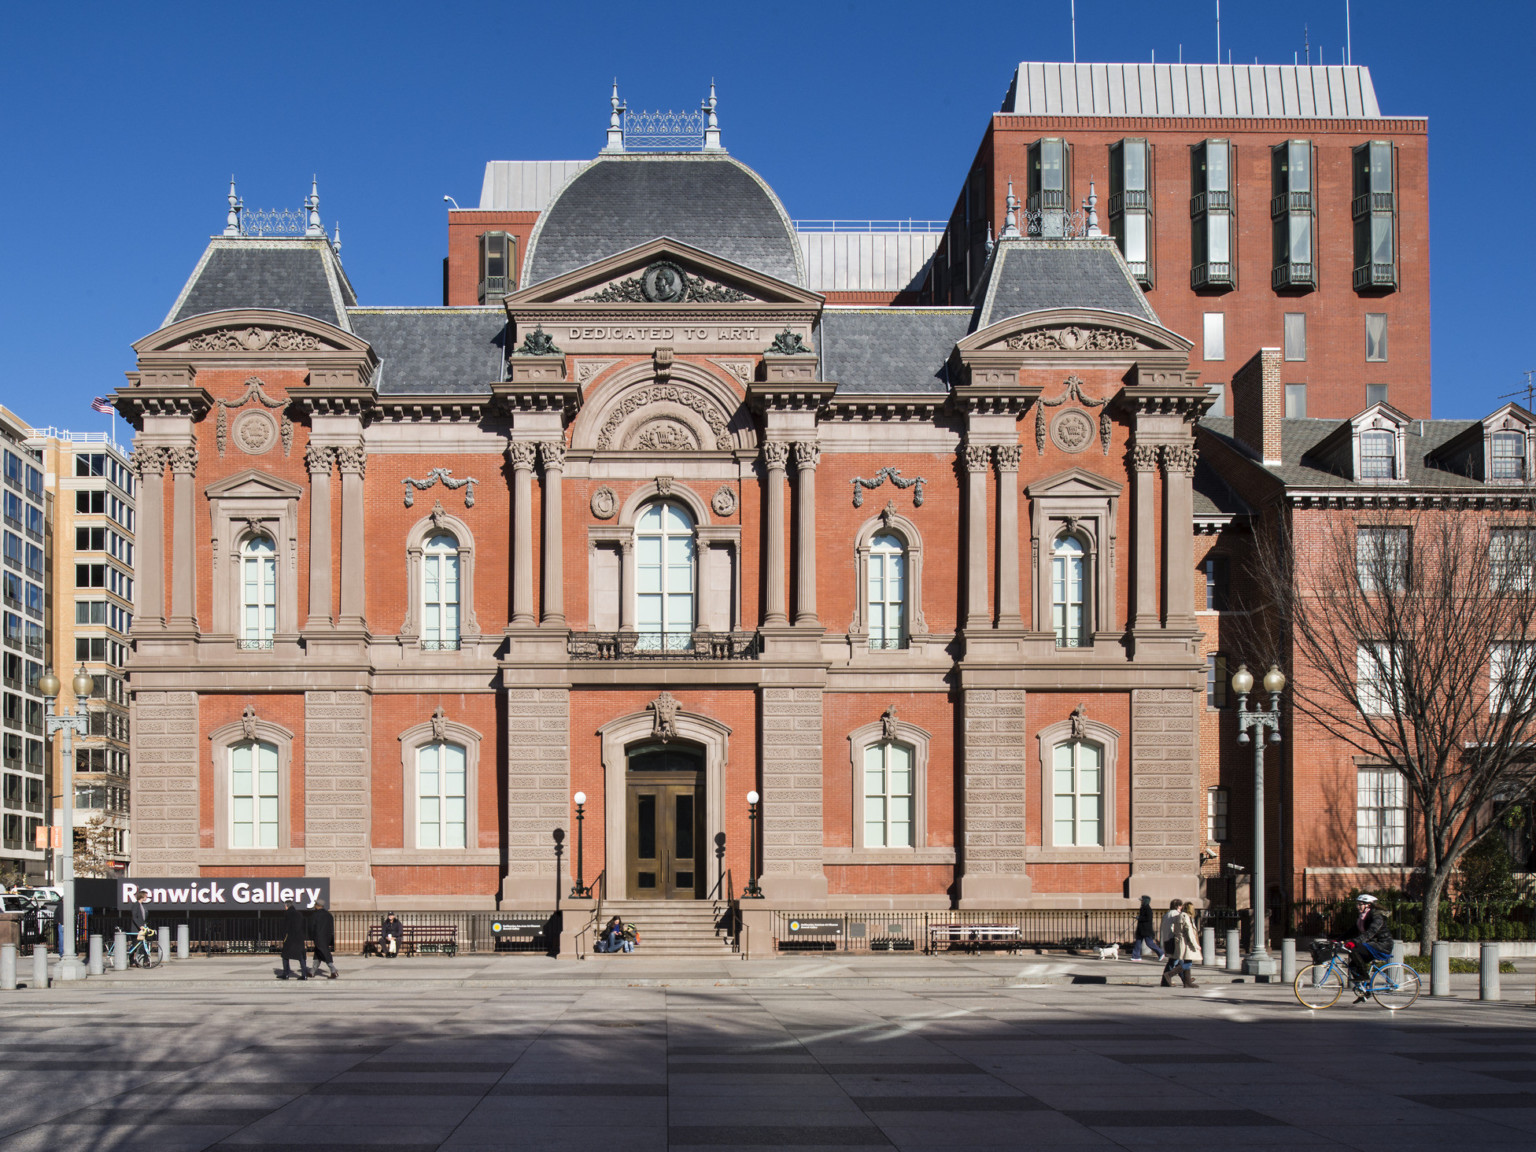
(236, 206)
(1093, 211)
(712, 125)
(1011, 220)
(336, 242)
(312, 204)
(615, 121)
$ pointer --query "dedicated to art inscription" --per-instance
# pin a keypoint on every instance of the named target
(665, 333)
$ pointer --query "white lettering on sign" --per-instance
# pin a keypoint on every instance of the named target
(653, 334)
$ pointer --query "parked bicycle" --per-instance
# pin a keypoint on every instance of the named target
(1321, 983)
(141, 953)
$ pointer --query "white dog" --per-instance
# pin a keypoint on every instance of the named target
(1109, 952)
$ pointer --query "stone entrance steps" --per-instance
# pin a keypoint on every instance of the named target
(671, 927)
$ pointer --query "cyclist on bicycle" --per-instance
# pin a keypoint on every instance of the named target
(141, 916)
(1371, 943)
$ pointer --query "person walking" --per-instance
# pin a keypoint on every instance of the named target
(1165, 933)
(1184, 949)
(323, 935)
(1146, 932)
(293, 941)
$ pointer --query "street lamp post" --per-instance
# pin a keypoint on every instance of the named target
(1252, 724)
(580, 890)
(752, 889)
(66, 724)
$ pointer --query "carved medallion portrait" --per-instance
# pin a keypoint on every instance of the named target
(724, 501)
(604, 503)
(255, 432)
(1072, 430)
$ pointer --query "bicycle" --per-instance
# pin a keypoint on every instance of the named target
(1321, 983)
(141, 953)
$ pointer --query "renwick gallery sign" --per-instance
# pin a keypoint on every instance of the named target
(226, 894)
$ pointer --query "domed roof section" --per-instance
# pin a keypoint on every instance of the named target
(709, 201)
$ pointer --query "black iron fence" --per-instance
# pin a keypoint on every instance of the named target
(952, 931)
(215, 934)
(1459, 920)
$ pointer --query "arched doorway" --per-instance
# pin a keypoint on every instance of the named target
(665, 821)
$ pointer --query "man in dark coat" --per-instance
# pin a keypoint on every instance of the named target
(390, 935)
(1371, 943)
(293, 941)
(1146, 931)
(323, 932)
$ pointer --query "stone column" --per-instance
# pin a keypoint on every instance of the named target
(552, 452)
(977, 459)
(183, 540)
(1144, 460)
(775, 455)
(352, 462)
(1178, 533)
(520, 455)
(627, 584)
(319, 461)
(807, 456)
(1007, 458)
(149, 608)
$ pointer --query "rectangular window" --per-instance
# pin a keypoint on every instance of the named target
(1375, 214)
(887, 593)
(1376, 337)
(1295, 335)
(1375, 394)
(1381, 817)
(1077, 770)
(1068, 615)
(1381, 559)
(90, 502)
(1295, 401)
(90, 575)
(888, 796)
(498, 256)
(1218, 583)
(1130, 205)
(1215, 335)
(1508, 456)
(1216, 815)
(1376, 679)
(441, 804)
(1216, 680)
(253, 795)
(1210, 210)
(1378, 456)
(1292, 208)
(1511, 677)
(90, 539)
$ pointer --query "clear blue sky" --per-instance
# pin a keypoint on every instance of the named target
(123, 122)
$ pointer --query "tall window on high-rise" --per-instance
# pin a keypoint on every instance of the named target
(1130, 205)
(1292, 209)
(1375, 215)
(1211, 204)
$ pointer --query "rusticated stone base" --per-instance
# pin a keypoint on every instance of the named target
(1165, 794)
(538, 794)
(792, 790)
(993, 858)
(337, 817)
(165, 820)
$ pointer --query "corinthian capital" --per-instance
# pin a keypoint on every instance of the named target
(183, 460)
(319, 460)
(552, 452)
(520, 454)
(1144, 457)
(776, 453)
(147, 461)
(1179, 457)
(1008, 456)
(352, 459)
(807, 455)
(978, 457)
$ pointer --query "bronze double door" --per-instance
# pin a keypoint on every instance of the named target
(665, 812)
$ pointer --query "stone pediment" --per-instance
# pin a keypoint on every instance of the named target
(253, 484)
(248, 331)
(1073, 331)
(1074, 482)
(662, 274)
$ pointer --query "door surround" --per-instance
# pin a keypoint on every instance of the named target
(640, 728)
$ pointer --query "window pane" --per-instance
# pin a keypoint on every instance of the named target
(1376, 337)
(1381, 239)
(1295, 401)
(1135, 238)
(1217, 238)
(1215, 336)
(1295, 336)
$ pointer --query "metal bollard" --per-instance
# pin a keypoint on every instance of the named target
(165, 948)
(1440, 969)
(183, 941)
(119, 951)
(39, 966)
(8, 967)
(1488, 974)
(93, 955)
(1234, 951)
(1397, 951)
(1288, 960)
(1208, 945)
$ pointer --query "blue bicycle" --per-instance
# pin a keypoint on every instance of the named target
(1321, 983)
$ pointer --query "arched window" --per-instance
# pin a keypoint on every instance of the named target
(887, 592)
(441, 803)
(1069, 570)
(440, 592)
(258, 592)
(1077, 771)
(664, 577)
(888, 787)
(254, 816)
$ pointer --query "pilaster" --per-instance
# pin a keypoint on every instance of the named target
(807, 456)
(977, 461)
(166, 748)
(148, 463)
(520, 454)
(352, 463)
(337, 794)
(552, 454)
(1165, 794)
(791, 826)
(1178, 534)
(538, 793)
(1007, 458)
(775, 455)
(319, 461)
(1145, 574)
(183, 463)
(993, 811)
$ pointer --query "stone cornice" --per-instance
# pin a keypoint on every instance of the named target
(781, 395)
(538, 384)
(434, 408)
(138, 399)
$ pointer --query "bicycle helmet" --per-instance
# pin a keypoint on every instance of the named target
(1365, 898)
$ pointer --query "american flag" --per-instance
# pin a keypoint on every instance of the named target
(102, 404)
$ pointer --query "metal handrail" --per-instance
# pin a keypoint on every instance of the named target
(600, 886)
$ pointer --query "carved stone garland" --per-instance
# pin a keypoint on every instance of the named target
(675, 393)
(254, 390)
(894, 476)
(664, 283)
(1074, 391)
(1074, 339)
(253, 340)
(445, 475)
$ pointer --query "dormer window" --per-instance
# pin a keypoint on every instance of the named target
(1508, 456)
(1378, 456)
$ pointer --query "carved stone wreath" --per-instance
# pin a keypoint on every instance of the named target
(254, 391)
(605, 503)
(663, 435)
(1074, 391)
(724, 501)
(255, 432)
(1072, 430)
(664, 283)
(1074, 339)
(253, 340)
(675, 393)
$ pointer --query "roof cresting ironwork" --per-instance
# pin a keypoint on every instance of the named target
(663, 131)
(259, 222)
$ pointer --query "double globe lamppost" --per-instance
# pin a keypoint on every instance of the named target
(66, 724)
(1252, 725)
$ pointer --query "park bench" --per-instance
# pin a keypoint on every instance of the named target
(417, 938)
(973, 937)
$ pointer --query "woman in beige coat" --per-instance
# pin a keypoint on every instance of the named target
(1183, 947)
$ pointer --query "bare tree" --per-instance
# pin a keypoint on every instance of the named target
(95, 849)
(1415, 647)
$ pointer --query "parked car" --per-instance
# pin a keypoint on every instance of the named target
(46, 894)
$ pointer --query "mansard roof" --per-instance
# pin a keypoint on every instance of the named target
(710, 202)
(889, 350)
(1031, 275)
(423, 351)
(1302, 466)
(288, 274)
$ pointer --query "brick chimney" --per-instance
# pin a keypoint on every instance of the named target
(1258, 404)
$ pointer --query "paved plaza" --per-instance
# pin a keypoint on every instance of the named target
(905, 1052)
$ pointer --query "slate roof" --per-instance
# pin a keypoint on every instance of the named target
(299, 275)
(1214, 496)
(618, 202)
(886, 350)
(434, 350)
(1300, 470)
(1026, 275)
